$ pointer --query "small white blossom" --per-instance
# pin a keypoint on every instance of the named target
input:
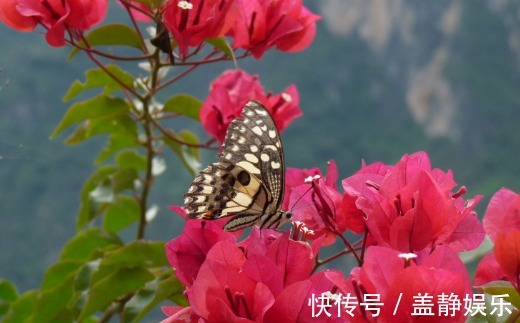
(185, 5)
(312, 178)
(407, 256)
(287, 97)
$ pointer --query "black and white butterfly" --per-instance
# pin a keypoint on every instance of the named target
(247, 182)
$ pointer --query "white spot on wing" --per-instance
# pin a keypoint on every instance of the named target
(272, 134)
(249, 167)
(261, 112)
(264, 157)
(251, 158)
(253, 148)
(257, 130)
(275, 165)
(207, 190)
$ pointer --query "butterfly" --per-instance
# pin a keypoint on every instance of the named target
(247, 181)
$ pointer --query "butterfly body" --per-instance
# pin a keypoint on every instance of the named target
(247, 182)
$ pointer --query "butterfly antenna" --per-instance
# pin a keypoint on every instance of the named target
(299, 198)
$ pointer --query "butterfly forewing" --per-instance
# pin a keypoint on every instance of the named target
(247, 182)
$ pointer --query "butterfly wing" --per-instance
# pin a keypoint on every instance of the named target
(247, 181)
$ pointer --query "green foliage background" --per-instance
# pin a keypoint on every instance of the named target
(344, 119)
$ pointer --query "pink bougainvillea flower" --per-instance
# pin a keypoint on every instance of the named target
(180, 314)
(502, 263)
(502, 214)
(56, 16)
(260, 25)
(240, 282)
(399, 278)
(232, 90)
(502, 225)
(507, 253)
(412, 207)
(191, 22)
(292, 304)
(223, 292)
(316, 202)
(188, 251)
(488, 270)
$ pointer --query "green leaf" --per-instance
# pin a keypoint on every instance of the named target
(53, 302)
(121, 213)
(89, 207)
(185, 105)
(222, 44)
(100, 106)
(117, 284)
(188, 155)
(117, 142)
(58, 272)
(81, 246)
(500, 288)
(8, 291)
(102, 125)
(95, 78)
(23, 308)
(8, 294)
(138, 253)
(151, 295)
(111, 35)
(124, 179)
(83, 277)
(131, 159)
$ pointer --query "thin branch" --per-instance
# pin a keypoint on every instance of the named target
(148, 179)
(173, 138)
(318, 262)
(134, 23)
(349, 246)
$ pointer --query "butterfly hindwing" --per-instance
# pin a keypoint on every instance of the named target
(247, 182)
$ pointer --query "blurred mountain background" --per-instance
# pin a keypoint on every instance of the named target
(382, 79)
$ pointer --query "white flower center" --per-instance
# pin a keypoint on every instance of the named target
(185, 5)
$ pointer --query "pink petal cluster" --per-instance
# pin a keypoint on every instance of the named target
(191, 22)
(262, 24)
(56, 16)
(502, 225)
(413, 223)
(232, 90)
(261, 279)
(411, 207)
(385, 272)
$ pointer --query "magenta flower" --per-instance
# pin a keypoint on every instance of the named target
(260, 25)
(191, 22)
(411, 207)
(502, 225)
(232, 90)
(56, 16)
